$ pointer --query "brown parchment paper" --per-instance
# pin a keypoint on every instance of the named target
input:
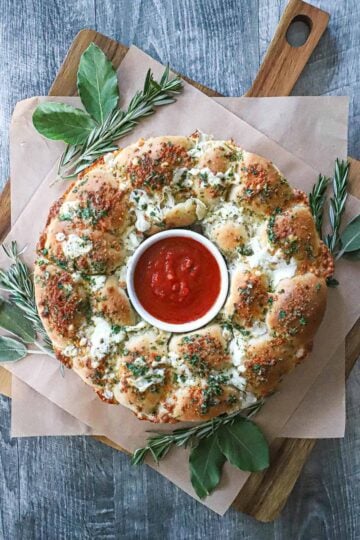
(321, 123)
(193, 110)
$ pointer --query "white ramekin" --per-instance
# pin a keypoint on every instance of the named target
(192, 325)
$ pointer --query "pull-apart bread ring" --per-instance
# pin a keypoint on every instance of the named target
(264, 228)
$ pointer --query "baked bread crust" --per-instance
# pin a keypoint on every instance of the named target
(264, 228)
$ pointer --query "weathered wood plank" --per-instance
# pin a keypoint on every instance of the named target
(281, 58)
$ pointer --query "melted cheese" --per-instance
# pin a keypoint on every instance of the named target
(102, 339)
(237, 350)
(151, 377)
(181, 178)
(235, 379)
(200, 209)
(68, 210)
(147, 210)
(223, 213)
(70, 350)
(204, 143)
(283, 270)
(132, 239)
(75, 246)
(275, 265)
(259, 329)
(60, 236)
(97, 283)
(185, 377)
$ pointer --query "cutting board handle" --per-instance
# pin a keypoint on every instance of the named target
(284, 63)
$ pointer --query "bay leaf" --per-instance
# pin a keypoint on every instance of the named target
(206, 461)
(350, 237)
(244, 445)
(62, 122)
(97, 83)
(11, 350)
(14, 321)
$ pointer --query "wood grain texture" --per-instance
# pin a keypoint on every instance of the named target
(283, 64)
(264, 494)
(325, 501)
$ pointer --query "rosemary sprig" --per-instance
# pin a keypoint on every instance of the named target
(102, 139)
(337, 203)
(317, 199)
(159, 445)
(18, 282)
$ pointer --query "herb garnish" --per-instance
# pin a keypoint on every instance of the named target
(317, 200)
(92, 133)
(347, 243)
(231, 437)
(20, 316)
(337, 203)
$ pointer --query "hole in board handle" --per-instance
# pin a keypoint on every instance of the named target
(299, 30)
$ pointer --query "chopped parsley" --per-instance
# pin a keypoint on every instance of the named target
(245, 250)
(116, 328)
(256, 368)
(271, 226)
(212, 391)
(138, 369)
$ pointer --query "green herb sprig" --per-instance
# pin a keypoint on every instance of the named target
(232, 438)
(344, 243)
(91, 133)
(317, 199)
(20, 316)
(337, 202)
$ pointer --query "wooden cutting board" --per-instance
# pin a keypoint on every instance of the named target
(264, 494)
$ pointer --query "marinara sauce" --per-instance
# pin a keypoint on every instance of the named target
(177, 280)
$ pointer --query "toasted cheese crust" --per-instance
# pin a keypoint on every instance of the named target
(263, 227)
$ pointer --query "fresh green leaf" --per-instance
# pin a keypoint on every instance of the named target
(206, 461)
(17, 280)
(350, 238)
(11, 350)
(244, 445)
(118, 123)
(97, 83)
(14, 321)
(62, 122)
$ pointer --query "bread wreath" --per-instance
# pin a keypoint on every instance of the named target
(264, 228)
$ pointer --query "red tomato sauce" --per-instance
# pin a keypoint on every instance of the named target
(177, 280)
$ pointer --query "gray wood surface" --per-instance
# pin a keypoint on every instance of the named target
(76, 488)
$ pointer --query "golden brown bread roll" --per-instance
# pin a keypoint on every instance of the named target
(248, 298)
(298, 307)
(262, 188)
(263, 227)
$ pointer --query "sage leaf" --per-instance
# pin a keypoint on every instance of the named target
(244, 445)
(350, 238)
(62, 122)
(97, 83)
(14, 321)
(206, 461)
(11, 350)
